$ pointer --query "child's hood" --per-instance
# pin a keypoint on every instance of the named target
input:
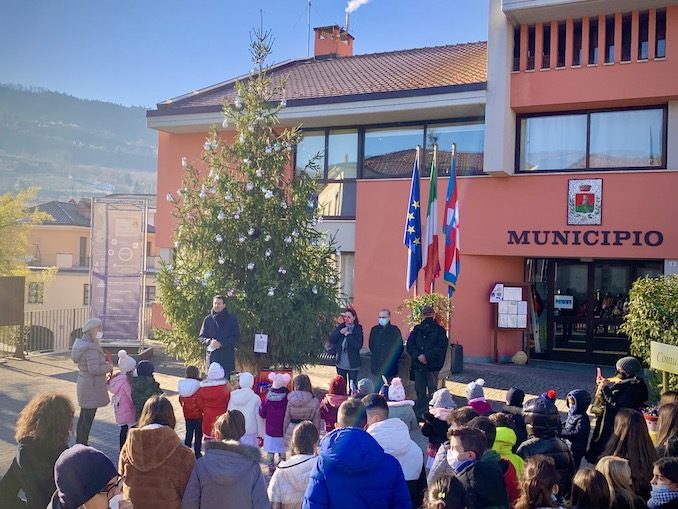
(118, 383)
(188, 387)
(244, 396)
(299, 398)
(442, 414)
(582, 400)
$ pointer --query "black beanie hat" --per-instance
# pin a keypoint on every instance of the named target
(145, 368)
(515, 397)
(80, 473)
(629, 365)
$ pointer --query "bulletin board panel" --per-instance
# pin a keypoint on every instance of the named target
(512, 312)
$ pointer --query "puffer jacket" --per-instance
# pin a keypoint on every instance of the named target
(228, 476)
(156, 466)
(393, 436)
(352, 472)
(430, 339)
(329, 407)
(301, 406)
(483, 482)
(143, 388)
(92, 368)
(577, 426)
(188, 398)
(123, 407)
(290, 480)
(213, 397)
(247, 401)
(504, 443)
(273, 410)
(404, 411)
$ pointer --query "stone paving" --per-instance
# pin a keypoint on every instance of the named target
(20, 380)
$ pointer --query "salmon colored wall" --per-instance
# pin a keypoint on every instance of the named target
(47, 241)
(601, 86)
(488, 208)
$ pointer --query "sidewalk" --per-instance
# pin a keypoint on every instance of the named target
(21, 380)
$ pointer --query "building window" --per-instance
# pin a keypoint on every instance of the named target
(562, 39)
(593, 41)
(576, 43)
(553, 143)
(609, 39)
(36, 293)
(626, 38)
(335, 166)
(389, 152)
(546, 47)
(470, 141)
(530, 47)
(345, 266)
(660, 42)
(516, 49)
(150, 295)
(84, 262)
(627, 139)
(85, 294)
(643, 35)
(632, 138)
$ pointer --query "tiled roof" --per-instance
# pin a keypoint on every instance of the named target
(360, 77)
(64, 213)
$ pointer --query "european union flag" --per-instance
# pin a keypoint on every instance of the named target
(412, 237)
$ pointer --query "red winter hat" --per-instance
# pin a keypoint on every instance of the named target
(338, 386)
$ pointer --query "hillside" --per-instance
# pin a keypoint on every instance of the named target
(73, 148)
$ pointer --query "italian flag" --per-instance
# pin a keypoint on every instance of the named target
(430, 255)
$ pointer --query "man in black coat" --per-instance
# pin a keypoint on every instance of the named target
(386, 345)
(220, 333)
(427, 346)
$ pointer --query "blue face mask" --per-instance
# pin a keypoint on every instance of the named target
(383, 321)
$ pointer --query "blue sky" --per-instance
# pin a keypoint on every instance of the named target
(139, 52)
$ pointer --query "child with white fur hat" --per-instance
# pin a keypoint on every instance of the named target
(120, 385)
(248, 402)
(273, 410)
(476, 397)
(403, 409)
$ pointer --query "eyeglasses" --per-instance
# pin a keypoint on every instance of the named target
(112, 486)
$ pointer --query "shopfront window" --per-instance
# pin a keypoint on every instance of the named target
(632, 138)
(389, 152)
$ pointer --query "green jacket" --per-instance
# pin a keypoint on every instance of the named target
(143, 388)
(503, 444)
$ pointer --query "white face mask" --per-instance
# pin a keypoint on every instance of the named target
(114, 502)
(453, 459)
(100, 335)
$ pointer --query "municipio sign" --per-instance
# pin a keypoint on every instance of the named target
(664, 357)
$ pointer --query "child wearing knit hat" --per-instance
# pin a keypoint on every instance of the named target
(435, 422)
(120, 385)
(403, 409)
(476, 397)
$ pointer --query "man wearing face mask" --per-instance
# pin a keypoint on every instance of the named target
(629, 392)
(92, 369)
(386, 346)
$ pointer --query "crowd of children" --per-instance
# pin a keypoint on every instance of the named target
(349, 449)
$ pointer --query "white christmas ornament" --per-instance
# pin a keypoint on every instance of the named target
(208, 274)
(228, 196)
(268, 253)
(247, 161)
(315, 290)
(283, 103)
(249, 186)
(283, 204)
(207, 145)
(288, 240)
(332, 280)
(268, 194)
(250, 266)
(184, 162)
(241, 239)
(258, 173)
(202, 195)
(221, 216)
(217, 178)
(311, 204)
(267, 237)
(281, 270)
(230, 293)
(221, 260)
(268, 149)
(236, 216)
(271, 292)
(224, 124)
(241, 138)
(295, 233)
(251, 231)
(176, 245)
(218, 238)
(238, 102)
(169, 197)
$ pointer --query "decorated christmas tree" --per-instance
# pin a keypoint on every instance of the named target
(246, 229)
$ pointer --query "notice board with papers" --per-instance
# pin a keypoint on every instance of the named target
(512, 309)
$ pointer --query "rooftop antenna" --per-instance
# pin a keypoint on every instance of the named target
(308, 33)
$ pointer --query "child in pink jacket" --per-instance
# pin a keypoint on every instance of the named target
(120, 385)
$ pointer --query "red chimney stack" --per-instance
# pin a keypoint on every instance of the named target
(332, 42)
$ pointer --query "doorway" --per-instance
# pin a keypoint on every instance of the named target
(583, 305)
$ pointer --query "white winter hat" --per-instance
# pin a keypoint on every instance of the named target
(125, 362)
(474, 390)
(215, 371)
(442, 399)
(279, 379)
(396, 391)
(246, 379)
(91, 324)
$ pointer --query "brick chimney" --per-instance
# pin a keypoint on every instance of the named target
(332, 42)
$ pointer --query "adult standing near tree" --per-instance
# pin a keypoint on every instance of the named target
(220, 333)
(346, 341)
(386, 345)
(427, 346)
(629, 392)
(92, 369)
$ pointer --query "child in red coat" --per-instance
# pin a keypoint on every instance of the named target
(213, 397)
(188, 398)
(330, 404)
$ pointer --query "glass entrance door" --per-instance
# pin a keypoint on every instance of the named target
(569, 307)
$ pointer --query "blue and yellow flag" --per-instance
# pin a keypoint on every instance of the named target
(412, 237)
